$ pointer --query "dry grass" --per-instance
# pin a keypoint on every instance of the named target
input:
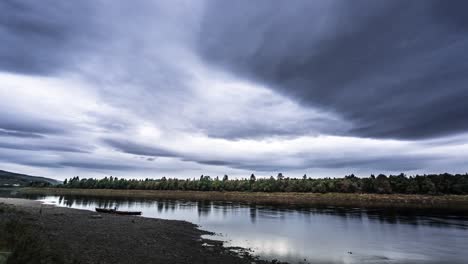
(459, 202)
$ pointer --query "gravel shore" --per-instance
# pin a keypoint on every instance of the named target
(48, 234)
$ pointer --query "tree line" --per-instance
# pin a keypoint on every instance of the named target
(420, 184)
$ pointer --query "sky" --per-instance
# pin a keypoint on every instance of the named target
(180, 88)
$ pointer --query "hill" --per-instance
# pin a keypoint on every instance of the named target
(15, 179)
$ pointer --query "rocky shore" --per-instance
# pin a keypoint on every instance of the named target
(37, 233)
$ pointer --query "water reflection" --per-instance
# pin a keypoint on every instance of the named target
(319, 234)
(9, 192)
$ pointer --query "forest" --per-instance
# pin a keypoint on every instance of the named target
(433, 184)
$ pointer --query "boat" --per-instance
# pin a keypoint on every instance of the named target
(115, 211)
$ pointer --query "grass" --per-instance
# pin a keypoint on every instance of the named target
(459, 202)
(20, 240)
(4, 256)
(5, 250)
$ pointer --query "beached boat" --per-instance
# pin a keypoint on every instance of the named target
(115, 211)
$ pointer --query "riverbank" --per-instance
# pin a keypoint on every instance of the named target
(442, 202)
(38, 233)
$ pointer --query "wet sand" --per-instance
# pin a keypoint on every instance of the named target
(49, 234)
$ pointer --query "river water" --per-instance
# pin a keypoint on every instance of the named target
(309, 234)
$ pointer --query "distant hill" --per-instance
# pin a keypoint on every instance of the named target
(15, 179)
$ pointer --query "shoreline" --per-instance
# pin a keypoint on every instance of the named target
(49, 234)
(403, 201)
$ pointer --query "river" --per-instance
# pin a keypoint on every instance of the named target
(322, 235)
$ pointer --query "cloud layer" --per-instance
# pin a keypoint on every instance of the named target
(394, 68)
(183, 88)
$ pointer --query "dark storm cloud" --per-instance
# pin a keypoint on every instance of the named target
(138, 149)
(41, 37)
(395, 69)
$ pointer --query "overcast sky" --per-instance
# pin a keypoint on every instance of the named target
(180, 88)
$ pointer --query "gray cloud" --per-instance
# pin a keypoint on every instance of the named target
(380, 163)
(243, 85)
(138, 149)
(17, 123)
(82, 38)
(258, 129)
(13, 133)
(402, 162)
(303, 160)
(43, 37)
(97, 165)
(49, 165)
(395, 69)
(41, 147)
(216, 162)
